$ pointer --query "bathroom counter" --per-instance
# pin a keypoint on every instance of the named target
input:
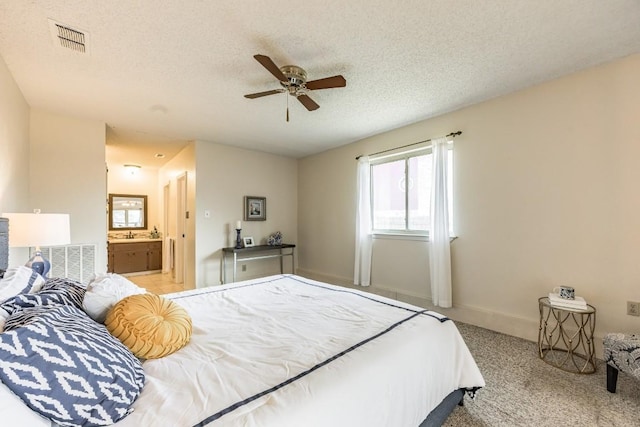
(136, 240)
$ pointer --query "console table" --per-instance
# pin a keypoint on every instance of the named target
(254, 253)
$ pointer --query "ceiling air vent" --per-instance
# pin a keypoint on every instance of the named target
(69, 38)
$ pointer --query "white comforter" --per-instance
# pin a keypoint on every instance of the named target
(287, 351)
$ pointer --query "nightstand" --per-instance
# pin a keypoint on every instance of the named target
(565, 337)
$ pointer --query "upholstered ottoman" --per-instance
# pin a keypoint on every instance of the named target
(622, 353)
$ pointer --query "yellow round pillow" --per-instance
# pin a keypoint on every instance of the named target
(150, 325)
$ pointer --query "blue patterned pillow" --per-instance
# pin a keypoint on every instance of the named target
(53, 292)
(68, 368)
(70, 292)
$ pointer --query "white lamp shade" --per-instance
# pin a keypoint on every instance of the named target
(38, 229)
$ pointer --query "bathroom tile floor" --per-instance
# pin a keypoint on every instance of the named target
(157, 283)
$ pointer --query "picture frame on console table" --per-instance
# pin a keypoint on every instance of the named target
(255, 208)
(248, 242)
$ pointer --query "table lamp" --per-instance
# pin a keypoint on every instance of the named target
(36, 230)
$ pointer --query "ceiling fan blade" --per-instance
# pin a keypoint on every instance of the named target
(259, 94)
(327, 83)
(271, 67)
(308, 103)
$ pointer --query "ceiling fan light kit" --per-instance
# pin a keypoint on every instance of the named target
(293, 80)
(296, 77)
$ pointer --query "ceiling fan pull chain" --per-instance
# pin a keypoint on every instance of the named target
(287, 96)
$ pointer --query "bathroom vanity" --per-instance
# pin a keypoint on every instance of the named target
(134, 255)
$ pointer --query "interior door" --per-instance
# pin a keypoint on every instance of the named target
(167, 264)
(181, 227)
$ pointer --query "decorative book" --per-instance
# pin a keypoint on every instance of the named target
(578, 303)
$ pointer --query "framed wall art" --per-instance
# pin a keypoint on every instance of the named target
(255, 208)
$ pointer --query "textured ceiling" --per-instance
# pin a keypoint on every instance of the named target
(173, 71)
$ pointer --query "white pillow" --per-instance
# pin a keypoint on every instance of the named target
(16, 413)
(105, 291)
(19, 280)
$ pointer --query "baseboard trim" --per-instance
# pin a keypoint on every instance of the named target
(517, 326)
(322, 277)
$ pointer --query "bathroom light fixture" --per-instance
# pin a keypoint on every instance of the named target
(132, 169)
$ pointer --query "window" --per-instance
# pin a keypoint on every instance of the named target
(127, 218)
(401, 192)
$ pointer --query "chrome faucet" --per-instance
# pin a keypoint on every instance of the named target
(130, 235)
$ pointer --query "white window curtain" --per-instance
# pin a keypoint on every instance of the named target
(439, 243)
(362, 267)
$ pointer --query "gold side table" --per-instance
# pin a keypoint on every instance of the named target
(565, 338)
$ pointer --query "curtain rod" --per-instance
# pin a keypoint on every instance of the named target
(452, 134)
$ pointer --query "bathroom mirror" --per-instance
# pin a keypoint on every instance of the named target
(127, 212)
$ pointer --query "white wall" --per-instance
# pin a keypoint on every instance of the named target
(14, 153)
(145, 182)
(53, 163)
(68, 175)
(545, 194)
(225, 175)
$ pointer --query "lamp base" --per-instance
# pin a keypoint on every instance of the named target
(238, 241)
(39, 264)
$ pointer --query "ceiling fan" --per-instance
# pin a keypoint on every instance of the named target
(293, 80)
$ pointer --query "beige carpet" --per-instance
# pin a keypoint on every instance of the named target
(522, 390)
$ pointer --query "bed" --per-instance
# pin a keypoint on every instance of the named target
(289, 351)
